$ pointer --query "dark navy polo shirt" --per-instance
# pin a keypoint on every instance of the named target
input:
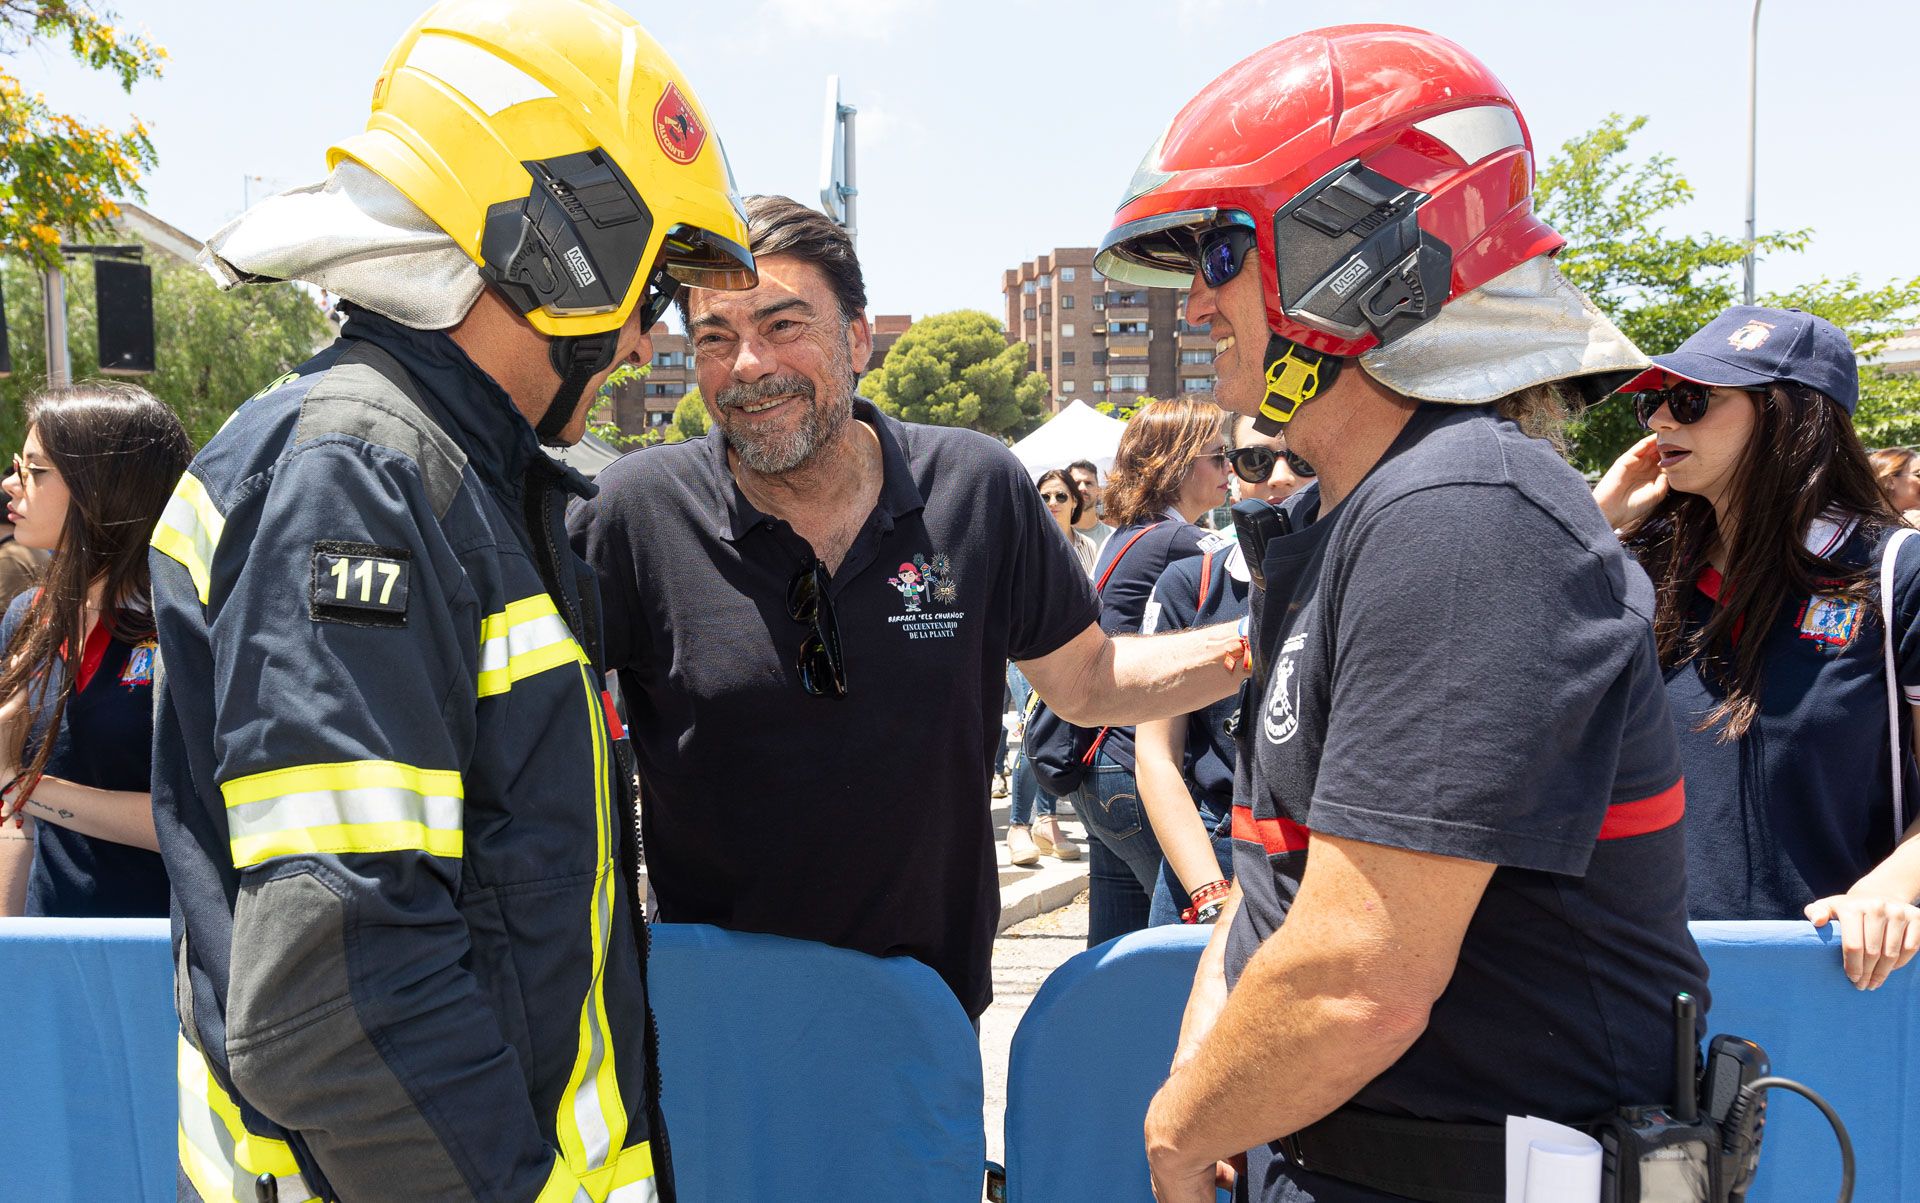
(1123, 600)
(105, 741)
(1801, 806)
(1460, 660)
(1176, 605)
(859, 821)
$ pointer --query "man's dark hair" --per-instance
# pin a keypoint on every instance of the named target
(1085, 465)
(778, 225)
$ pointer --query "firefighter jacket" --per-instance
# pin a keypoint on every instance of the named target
(388, 790)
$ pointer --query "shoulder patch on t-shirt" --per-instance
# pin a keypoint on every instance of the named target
(360, 584)
(1830, 620)
(1214, 541)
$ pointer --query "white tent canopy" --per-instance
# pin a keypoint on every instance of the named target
(1075, 433)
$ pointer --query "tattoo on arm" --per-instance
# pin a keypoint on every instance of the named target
(59, 812)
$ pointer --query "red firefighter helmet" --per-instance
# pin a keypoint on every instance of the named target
(1382, 170)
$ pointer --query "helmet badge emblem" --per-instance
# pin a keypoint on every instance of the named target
(1750, 336)
(677, 126)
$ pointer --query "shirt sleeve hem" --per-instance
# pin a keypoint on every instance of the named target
(1443, 837)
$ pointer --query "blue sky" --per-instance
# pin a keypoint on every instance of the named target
(991, 131)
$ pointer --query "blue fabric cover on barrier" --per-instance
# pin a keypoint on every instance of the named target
(88, 1071)
(1075, 1105)
(790, 1071)
(795, 1071)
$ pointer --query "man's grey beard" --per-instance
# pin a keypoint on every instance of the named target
(773, 452)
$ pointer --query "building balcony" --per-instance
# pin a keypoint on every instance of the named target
(1127, 346)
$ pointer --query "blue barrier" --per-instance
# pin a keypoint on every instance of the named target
(1096, 1041)
(790, 1071)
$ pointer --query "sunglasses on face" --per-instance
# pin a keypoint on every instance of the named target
(27, 472)
(1255, 464)
(822, 672)
(1223, 252)
(1686, 401)
(1055, 498)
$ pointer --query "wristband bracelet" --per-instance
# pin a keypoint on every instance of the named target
(1207, 902)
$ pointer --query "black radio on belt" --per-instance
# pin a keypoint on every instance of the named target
(1672, 1152)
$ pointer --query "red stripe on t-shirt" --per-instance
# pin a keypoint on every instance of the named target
(1661, 811)
(1275, 835)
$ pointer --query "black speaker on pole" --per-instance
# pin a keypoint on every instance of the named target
(6, 356)
(123, 299)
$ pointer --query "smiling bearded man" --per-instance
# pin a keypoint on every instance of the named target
(811, 611)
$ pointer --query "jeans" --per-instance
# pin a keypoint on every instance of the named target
(1124, 863)
(1025, 798)
(1169, 896)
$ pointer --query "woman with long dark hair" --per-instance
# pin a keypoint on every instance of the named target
(76, 693)
(1754, 509)
(1170, 468)
(1898, 471)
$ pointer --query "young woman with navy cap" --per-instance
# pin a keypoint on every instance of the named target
(1753, 507)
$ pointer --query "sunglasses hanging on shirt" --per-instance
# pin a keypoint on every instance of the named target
(822, 671)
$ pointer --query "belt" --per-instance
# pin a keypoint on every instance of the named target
(1424, 1160)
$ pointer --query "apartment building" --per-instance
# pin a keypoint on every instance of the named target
(1098, 340)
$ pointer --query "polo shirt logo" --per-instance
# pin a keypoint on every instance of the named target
(919, 582)
(1829, 620)
(139, 669)
(1283, 709)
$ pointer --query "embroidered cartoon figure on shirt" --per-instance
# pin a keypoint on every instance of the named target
(1829, 620)
(139, 669)
(919, 580)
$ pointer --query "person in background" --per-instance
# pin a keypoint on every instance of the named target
(1032, 828)
(20, 565)
(1061, 496)
(1171, 467)
(1753, 507)
(1894, 468)
(1262, 469)
(91, 481)
(1185, 765)
(1087, 476)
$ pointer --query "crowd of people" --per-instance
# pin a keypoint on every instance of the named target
(1443, 740)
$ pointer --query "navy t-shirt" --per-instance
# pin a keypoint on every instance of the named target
(1801, 807)
(1460, 661)
(1123, 600)
(1177, 605)
(105, 741)
(859, 821)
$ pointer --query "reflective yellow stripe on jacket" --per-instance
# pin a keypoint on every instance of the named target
(355, 806)
(217, 1153)
(189, 532)
(528, 637)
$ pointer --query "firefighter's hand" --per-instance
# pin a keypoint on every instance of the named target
(1877, 935)
(1177, 1176)
(1633, 485)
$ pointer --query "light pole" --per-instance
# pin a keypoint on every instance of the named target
(1753, 135)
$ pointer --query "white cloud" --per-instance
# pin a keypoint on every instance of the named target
(841, 18)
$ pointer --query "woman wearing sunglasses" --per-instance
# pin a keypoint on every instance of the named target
(1752, 506)
(1062, 499)
(1170, 468)
(99, 463)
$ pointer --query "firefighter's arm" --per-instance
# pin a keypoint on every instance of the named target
(1327, 1003)
(344, 660)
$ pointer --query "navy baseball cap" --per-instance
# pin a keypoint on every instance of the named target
(1751, 347)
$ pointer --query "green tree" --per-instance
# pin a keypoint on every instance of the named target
(957, 369)
(59, 175)
(1660, 287)
(690, 420)
(212, 349)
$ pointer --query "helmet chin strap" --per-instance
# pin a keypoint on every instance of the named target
(578, 359)
(1295, 375)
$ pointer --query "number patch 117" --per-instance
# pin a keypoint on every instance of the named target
(360, 583)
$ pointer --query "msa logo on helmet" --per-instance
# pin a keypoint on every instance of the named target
(678, 127)
(576, 260)
(1344, 280)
